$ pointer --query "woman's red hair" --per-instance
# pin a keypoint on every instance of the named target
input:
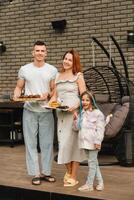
(76, 61)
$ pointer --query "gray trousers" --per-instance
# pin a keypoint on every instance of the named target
(41, 123)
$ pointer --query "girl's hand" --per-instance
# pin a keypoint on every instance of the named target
(75, 115)
(97, 146)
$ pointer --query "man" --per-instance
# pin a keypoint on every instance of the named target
(37, 78)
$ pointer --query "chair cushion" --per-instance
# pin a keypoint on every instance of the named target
(107, 108)
(102, 98)
(117, 120)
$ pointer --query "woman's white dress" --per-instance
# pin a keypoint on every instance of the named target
(68, 138)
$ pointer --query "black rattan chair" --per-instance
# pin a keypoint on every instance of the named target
(110, 87)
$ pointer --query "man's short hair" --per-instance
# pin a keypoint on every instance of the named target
(39, 43)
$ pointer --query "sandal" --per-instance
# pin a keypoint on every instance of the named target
(71, 182)
(36, 181)
(66, 177)
(49, 178)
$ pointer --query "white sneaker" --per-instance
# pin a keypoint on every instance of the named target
(100, 187)
(86, 188)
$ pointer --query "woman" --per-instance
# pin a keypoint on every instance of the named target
(69, 84)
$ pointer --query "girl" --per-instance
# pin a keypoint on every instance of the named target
(91, 125)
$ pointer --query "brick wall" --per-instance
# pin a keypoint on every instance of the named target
(22, 22)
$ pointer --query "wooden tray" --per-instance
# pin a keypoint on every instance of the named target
(27, 99)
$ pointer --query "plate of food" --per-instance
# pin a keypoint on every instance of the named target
(64, 108)
(56, 105)
(30, 98)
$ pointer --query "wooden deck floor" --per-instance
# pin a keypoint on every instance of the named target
(119, 181)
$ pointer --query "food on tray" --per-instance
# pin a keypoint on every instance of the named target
(28, 97)
(54, 104)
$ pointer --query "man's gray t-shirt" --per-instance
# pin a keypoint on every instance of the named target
(37, 81)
